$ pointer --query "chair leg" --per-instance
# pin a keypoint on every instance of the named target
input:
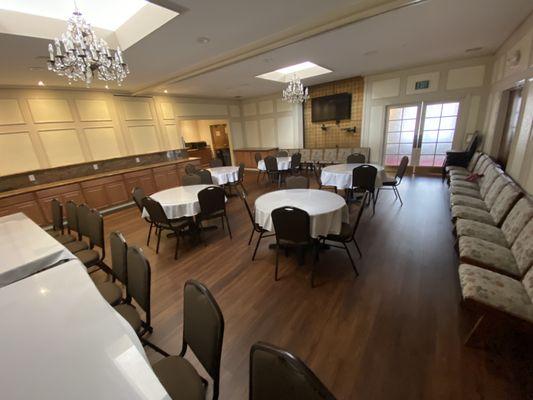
(243, 189)
(177, 245)
(158, 240)
(227, 223)
(149, 233)
(398, 194)
(222, 222)
(473, 338)
(257, 244)
(251, 237)
(357, 247)
(351, 259)
(373, 204)
(277, 262)
(313, 267)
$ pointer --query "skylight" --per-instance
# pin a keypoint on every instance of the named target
(105, 14)
(302, 70)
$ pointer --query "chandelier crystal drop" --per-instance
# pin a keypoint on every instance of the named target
(295, 91)
(80, 55)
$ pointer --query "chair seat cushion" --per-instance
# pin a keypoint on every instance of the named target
(493, 234)
(64, 239)
(465, 191)
(456, 168)
(461, 200)
(77, 246)
(110, 292)
(179, 378)
(496, 291)
(488, 255)
(130, 314)
(474, 214)
(88, 257)
(464, 183)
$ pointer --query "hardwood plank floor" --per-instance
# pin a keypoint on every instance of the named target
(395, 332)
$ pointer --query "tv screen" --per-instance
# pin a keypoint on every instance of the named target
(331, 108)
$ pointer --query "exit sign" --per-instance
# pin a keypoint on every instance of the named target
(422, 85)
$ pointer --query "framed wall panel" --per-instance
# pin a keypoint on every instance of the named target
(62, 147)
(102, 142)
(144, 139)
(10, 113)
(266, 107)
(167, 110)
(137, 110)
(268, 132)
(50, 110)
(251, 129)
(17, 153)
(173, 138)
(92, 110)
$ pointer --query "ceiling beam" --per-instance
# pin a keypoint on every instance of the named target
(282, 39)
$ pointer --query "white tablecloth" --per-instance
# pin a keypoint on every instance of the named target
(181, 201)
(223, 175)
(284, 163)
(63, 341)
(340, 175)
(26, 248)
(327, 210)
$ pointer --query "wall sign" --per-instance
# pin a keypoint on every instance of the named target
(419, 85)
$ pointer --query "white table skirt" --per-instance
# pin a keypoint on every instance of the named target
(178, 202)
(65, 342)
(26, 248)
(340, 175)
(327, 210)
(224, 175)
(284, 163)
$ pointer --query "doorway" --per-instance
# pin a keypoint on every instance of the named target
(219, 136)
(512, 113)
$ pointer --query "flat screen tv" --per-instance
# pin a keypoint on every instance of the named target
(331, 108)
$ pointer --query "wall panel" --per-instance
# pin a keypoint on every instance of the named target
(252, 134)
(268, 132)
(62, 147)
(10, 112)
(144, 139)
(16, 153)
(137, 110)
(102, 143)
(50, 110)
(93, 110)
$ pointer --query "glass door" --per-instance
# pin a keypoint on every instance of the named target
(422, 131)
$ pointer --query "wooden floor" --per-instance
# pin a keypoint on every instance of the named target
(395, 332)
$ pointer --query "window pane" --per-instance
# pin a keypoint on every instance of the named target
(391, 149)
(448, 122)
(450, 109)
(395, 126)
(393, 137)
(406, 148)
(433, 110)
(430, 136)
(426, 161)
(408, 124)
(395, 113)
(428, 148)
(445, 136)
(407, 137)
(442, 148)
(392, 160)
(410, 112)
(439, 160)
(431, 124)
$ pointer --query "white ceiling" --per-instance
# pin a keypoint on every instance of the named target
(432, 31)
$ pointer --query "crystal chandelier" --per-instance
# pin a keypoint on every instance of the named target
(81, 55)
(295, 92)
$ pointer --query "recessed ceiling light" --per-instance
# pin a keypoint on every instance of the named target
(203, 40)
(40, 83)
(165, 91)
(107, 86)
(69, 83)
(303, 70)
(472, 49)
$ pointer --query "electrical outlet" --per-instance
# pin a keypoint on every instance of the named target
(31, 177)
(137, 160)
(95, 167)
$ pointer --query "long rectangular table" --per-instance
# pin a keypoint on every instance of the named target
(25, 248)
(61, 340)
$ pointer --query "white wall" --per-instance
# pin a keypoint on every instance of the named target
(268, 122)
(465, 81)
(508, 72)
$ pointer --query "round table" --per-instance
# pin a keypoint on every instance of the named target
(340, 175)
(181, 201)
(284, 163)
(327, 210)
(223, 175)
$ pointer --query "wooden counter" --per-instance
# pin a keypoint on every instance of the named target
(100, 191)
(247, 155)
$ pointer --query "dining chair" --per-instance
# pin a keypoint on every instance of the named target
(395, 182)
(297, 182)
(356, 158)
(277, 374)
(317, 170)
(364, 179)
(240, 179)
(203, 334)
(93, 227)
(255, 226)
(216, 162)
(73, 226)
(205, 176)
(138, 288)
(271, 164)
(296, 163)
(163, 223)
(58, 229)
(191, 180)
(138, 195)
(258, 158)
(109, 290)
(213, 205)
(282, 153)
(190, 169)
(292, 229)
(347, 234)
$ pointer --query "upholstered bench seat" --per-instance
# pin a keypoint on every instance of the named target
(464, 183)
(514, 262)
(462, 200)
(497, 291)
(479, 230)
(465, 191)
(474, 214)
